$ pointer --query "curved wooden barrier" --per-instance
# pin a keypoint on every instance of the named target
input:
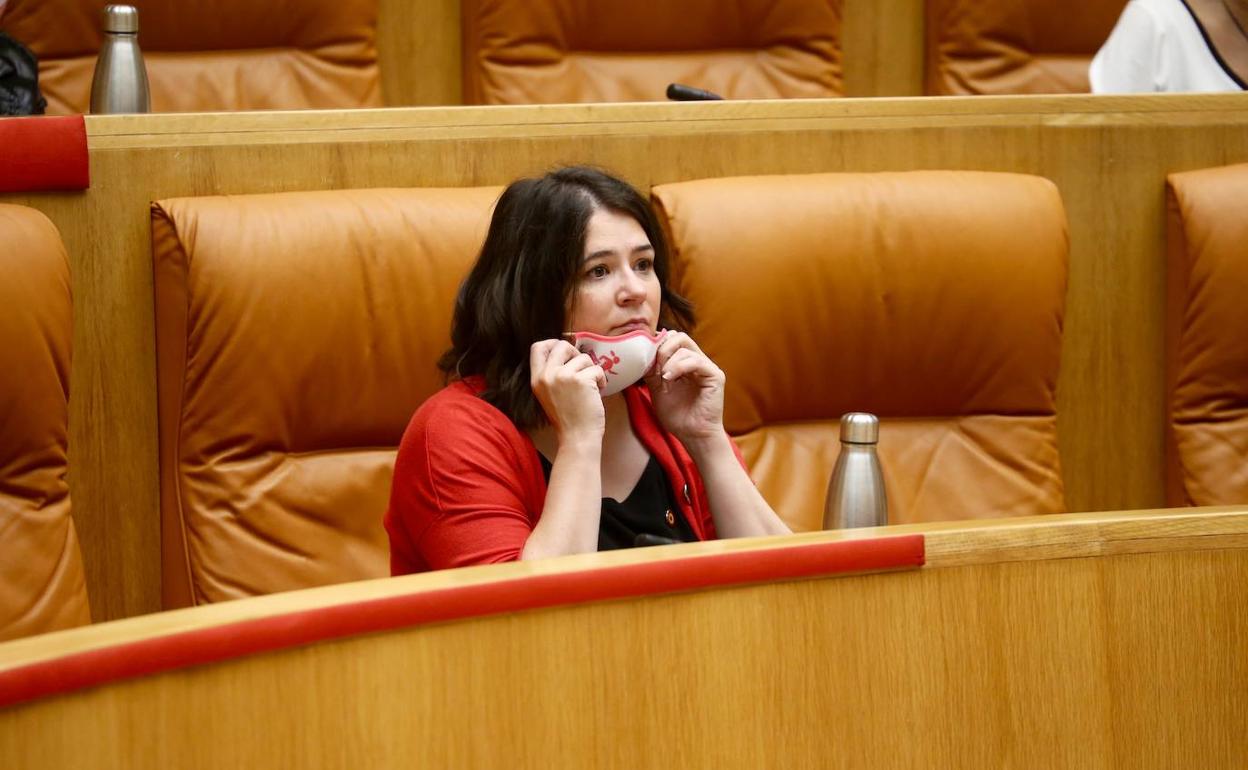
(1095, 640)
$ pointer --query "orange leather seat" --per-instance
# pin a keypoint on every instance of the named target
(42, 585)
(526, 52)
(296, 333)
(933, 299)
(1015, 46)
(226, 55)
(1207, 361)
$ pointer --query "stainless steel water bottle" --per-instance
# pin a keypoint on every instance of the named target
(856, 492)
(120, 81)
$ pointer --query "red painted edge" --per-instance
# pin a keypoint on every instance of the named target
(127, 660)
(44, 153)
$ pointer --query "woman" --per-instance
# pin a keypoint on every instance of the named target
(1174, 45)
(520, 456)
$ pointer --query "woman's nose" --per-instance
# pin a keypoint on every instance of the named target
(632, 287)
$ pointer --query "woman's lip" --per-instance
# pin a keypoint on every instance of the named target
(632, 326)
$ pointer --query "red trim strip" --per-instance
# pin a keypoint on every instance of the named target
(192, 648)
(44, 153)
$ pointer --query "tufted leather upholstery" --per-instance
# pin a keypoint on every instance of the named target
(1015, 46)
(213, 55)
(296, 334)
(523, 52)
(1207, 362)
(42, 585)
(933, 299)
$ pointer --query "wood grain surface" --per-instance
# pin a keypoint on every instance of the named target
(1108, 156)
(1061, 651)
(418, 52)
(883, 47)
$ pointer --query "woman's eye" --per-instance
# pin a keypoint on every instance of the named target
(597, 271)
(644, 265)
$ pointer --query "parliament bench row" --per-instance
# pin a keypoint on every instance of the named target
(297, 332)
(365, 53)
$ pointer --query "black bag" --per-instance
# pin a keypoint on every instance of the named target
(19, 79)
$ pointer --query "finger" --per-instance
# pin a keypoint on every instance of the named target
(542, 346)
(593, 374)
(673, 342)
(685, 362)
(661, 361)
(539, 353)
(678, 355)
(561, 353)
(578, 362)
(545, 358)
(655, 371)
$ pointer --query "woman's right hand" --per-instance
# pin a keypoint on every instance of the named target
(568, 385)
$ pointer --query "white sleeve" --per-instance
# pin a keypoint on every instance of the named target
(1130, 60)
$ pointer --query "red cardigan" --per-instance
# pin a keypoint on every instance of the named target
(468, 486)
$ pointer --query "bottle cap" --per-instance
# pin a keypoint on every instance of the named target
(860, 428)
(121, 18)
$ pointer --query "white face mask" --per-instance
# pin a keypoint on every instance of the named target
(624, 359)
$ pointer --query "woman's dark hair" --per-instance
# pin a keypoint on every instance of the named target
(518, 291)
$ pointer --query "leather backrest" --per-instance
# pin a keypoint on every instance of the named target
(933, 299)
(547, 51)
(296, 335)
(212, 55)
(1207, 318)
(1015, 46)
(42, 584)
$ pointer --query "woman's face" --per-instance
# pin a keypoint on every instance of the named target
(617, 290)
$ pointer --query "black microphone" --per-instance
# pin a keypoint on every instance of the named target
(647, 539)
(679, 92)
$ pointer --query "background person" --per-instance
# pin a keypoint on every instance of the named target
(1174, 46)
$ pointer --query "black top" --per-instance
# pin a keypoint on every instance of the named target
(650, 509)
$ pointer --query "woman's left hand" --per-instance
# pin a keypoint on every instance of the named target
(687, 389)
